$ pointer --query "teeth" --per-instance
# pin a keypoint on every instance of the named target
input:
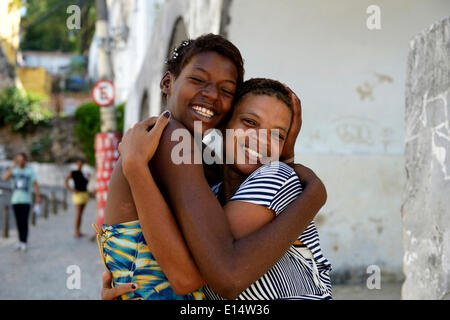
(253, 152)
(203, 111)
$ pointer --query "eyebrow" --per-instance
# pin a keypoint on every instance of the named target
(204, 71)
(251, 113)
(255, 115)
(285, 131)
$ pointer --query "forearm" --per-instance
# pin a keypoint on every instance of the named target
(162, 233)
(307, 176)
(68, 185)
(229, 266)
(8, 173)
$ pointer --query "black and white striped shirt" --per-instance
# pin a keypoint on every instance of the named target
(303, 272)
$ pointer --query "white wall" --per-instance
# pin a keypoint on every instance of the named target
(128, 56)
(128, 53)
(52, 63)
(53, 175)
(199, 16)
(325, 52)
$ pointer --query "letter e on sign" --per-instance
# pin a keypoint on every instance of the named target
(103, 93)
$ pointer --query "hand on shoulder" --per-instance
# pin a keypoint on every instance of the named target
(139, 145)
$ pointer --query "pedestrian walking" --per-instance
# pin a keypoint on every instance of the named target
(80, 195)
(23, 181)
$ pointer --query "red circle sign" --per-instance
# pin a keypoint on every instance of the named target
(103, 93)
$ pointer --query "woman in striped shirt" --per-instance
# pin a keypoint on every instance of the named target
(253, 194)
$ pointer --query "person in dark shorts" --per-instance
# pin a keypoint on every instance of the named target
(80, 195)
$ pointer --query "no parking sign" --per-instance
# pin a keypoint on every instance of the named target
(103, 93)
(106, 147)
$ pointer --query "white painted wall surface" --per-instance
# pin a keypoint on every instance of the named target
(52, 63)
(53, 175)
(199, 16)
(325, 52)
(128, 53)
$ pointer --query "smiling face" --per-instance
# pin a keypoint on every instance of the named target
(260, 125)
(203, 91)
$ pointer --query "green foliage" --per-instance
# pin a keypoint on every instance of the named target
(120, 114)
(16, 4)
(22, 110)
(40, 147)
(45, 27)
(88, 125)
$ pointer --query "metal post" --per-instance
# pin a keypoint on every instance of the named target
(46, 208)
(65, 199)
(6, 222)
(108, 121)
(33, 216)
(54, 203)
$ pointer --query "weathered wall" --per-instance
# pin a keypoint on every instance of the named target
(351, 82)
(426, 208)
(199, 17)
(53, 143)
(52, 175)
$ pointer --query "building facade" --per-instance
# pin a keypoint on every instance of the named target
(9, 42)
(346, 61)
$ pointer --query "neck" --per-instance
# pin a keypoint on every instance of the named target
(231, 181)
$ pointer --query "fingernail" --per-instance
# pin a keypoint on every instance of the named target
(166, 114)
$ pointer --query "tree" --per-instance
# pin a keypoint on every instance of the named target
(44, 27)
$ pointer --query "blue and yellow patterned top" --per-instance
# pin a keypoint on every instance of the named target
(126, 255)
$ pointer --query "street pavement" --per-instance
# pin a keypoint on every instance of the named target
(54, 257)
(387, 291)
(44, 271)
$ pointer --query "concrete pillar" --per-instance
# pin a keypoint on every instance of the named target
(426, 205)
(105, 71)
